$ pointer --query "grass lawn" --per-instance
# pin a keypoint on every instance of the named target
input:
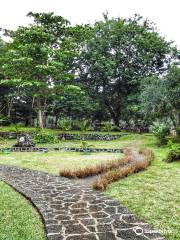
(18, 219)
(154, 194)
(52, 162)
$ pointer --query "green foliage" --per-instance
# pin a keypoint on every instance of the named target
(117, 56)
(16, 127)
(160, 131)
(85, 145)
(65, 124)
(2, 119)
(83, 125)
(38, 60)
(160, 97)
(107, 126)
(174, 153)
(42, 137)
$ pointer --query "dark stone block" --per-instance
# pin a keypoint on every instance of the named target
(75, 229)
(83, 237)
(130, 234)
(107, 236)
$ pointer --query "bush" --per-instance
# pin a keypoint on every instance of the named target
(41, 137)
(98, 169)
(160, 131)
(174, 153)
(16, 127)
(107, 126)
(83, 125)
(85, 145)
(65, 124)
(121, 172)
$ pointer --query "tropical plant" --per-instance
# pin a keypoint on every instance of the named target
(65, 124)
(160, 130)
(84, 125)
(85, 145)
(174, 153)
(107, 126)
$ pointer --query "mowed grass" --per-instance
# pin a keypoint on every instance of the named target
(154, 194)
(52, 162)
(18, 219)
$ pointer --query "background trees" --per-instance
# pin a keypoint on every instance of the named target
(161, 97)
(117, 69)
(38, 60)
(114, 61)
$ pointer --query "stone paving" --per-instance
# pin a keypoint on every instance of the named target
(76, 212)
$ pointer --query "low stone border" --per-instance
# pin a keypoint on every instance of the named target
(107, 137)
(67, 149)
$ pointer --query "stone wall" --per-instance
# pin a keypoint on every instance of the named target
(68, 149)
(68, 136)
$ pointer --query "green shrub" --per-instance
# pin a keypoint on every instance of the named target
(85, 145)
(65, 124)
(16, 127)
(174, 153)
(160, 131)
(83, 125)
(107, 126)
(41, 137)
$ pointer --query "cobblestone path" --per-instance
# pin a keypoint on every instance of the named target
(76, 212)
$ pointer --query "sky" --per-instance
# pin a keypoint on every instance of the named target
(165, 13)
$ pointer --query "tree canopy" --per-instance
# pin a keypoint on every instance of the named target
(119, 69)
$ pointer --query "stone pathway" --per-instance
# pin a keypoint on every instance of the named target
(76, 212)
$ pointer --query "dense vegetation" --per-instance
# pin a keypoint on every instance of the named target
(53, 73)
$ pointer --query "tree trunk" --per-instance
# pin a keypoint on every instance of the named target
(40, 119)
(9, 108)
(114, 115)
(40, 114)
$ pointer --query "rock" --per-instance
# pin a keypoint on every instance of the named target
(24, 141)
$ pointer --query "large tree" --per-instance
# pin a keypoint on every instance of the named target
(115, 59)
(160, 97)
(38, 60)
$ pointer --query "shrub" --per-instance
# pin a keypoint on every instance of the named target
(107, 126)
(83, 125)
(149, 155)
(174, 153)
(65, 124)
(160, 131)
(16, 127)
(85, 145)
(121, 172)
(98, 169)
(40, 137)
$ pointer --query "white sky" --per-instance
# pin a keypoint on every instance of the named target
(165, 13)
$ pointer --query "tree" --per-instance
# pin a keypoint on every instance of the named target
(160, 97)
(117, 57)
(39, 59)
